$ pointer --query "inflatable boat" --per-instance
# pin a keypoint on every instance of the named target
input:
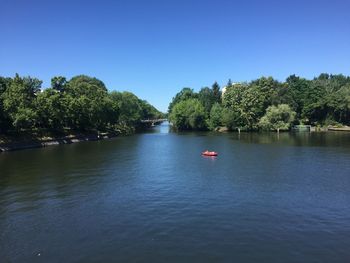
(207, 153)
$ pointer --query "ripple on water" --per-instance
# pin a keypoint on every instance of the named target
(154, 198)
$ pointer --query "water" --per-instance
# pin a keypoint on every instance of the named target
(153, 198)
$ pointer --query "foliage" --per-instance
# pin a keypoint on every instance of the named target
(87, 100)
(50, 109)
(216, 92)
(231, 119)
(246, 104)
(206, 98)
(19, 102)
(58, 83)
(80, 104)
(130, 108)
(209, 96)
(277, 118)
(184, 94)
(149, 111)
(5, 122)
(215, 119)
(188, 115)
(320, 101)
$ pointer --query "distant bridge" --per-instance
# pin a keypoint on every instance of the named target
(153, 122)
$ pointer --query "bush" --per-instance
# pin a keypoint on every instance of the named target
(277, 118)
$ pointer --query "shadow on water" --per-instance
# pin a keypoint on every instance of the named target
(59, 171)
(319, 139)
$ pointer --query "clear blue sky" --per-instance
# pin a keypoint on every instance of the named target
(155, 48)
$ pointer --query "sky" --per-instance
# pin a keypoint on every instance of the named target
(154, 48)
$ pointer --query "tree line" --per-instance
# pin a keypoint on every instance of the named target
(264, 103)
(81, 104)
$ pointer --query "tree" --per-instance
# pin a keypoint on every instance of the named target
(81, 82)
(58, 83)
(87, 99)
(149, 111)
(51, 109)
(115, 98)
(130, 109)
(80, 104)
(246, 104)
(277, 118)
(293, 94)
(315, 108)
(231, 119)
(266, 88)
(207, 98)
(283, 95)
(338, 104)
(188, 115)
(4, 84)
(19, 101)
(216, 92)
(184, 94)
(5, 122)
(215, 119)
(323, 76)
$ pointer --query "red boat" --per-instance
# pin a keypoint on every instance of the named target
(207, 153)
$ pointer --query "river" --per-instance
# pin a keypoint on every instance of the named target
(152, 197)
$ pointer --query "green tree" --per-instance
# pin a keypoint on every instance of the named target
(207, 98)
(130, 109)
(19, 102)
(277, 118)
(231, 119)
(315, 108)
(184, 94)
(80, 104)
(58, 83)
(5, 122)
(298, 88)
(188, 115)
(51, 109)
(338, 104)
(266, 89)
(87, 100)
(216, 116)
(216, 92)
(246, 104)
(149, 111)
(115, 98)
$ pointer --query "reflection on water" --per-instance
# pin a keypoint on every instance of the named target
(152, 197)
(319, 139)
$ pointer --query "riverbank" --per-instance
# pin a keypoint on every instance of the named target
(14, 143)
(345, 128)
(42, 138)
(21, 143)
(310, 129)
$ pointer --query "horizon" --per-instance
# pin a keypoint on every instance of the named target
(155, 49)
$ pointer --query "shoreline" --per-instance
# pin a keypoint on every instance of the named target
(344, 129)
(37, 143)
(32, 143)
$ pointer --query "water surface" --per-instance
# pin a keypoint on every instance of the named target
(153, 198)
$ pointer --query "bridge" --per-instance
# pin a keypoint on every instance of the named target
(153, 122)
